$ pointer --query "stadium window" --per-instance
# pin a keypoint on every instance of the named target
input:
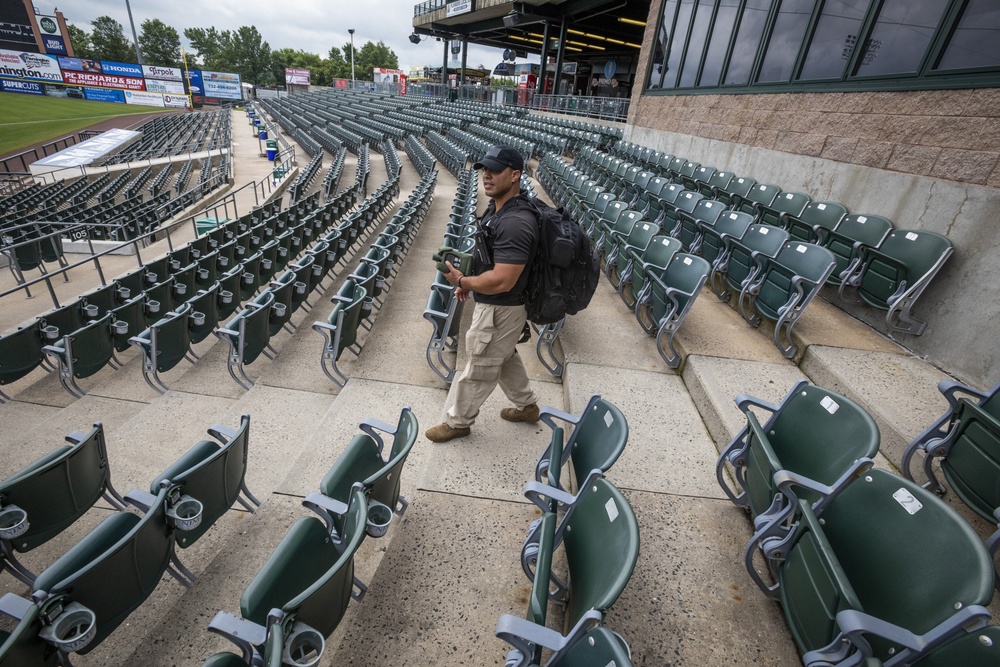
(976, 41)
(786, 41)
(899, 41)
(834, 39)
(660, 43)
(677, 41)
(696, 43)
(752, 24)
(722, 32)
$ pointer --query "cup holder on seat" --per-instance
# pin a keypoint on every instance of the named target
(303, 647)
(72, 629)
(379, 518)
(186, 513)
(13, 522)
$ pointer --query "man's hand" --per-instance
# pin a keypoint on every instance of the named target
(453, 276)
(461, 294)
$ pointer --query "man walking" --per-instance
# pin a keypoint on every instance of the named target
(506, 242)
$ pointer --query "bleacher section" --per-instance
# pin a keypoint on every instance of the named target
(658, 515)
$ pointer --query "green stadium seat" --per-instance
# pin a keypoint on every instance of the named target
(340, 330)
(164, 343)
(21, 352)
(853, 233)
(22, 647)
(654, 259)
(815, 221)
(247, 335)
(598, 437)
(738, 263)
(83, 353)
(672, 293)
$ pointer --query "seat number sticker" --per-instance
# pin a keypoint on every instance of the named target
(800, 248)
(910, 236)
(763, 230)
(611, 509)
(687, 261)
(862, 219)
(830, 405)
(907, 501)
(608, 419)
(821, 207)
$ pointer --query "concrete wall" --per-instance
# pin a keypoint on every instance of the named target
(925, 159)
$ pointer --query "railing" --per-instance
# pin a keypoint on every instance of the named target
(610, 108)
(428, 7)
(13, 182)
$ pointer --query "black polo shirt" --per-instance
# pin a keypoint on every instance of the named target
(510, 236)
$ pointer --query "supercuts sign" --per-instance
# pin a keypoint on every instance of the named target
(103, 80)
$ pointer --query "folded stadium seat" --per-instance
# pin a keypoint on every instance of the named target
(340, 330)
(719, 181)
(103, 299)
(893, 276)
(710, 240)
(965, 444)
(627, 247)
(22, 645)
(688, 228)
(157, 271)
(444, 312)
(784, 205)
(227, 256)
(783, 286)
(684, 203)
(674, 168)
(281, 309)
(250, 281)
(206, 304)
(616, 223)
(92, 588)
(671, 294)
(83, 352)
(199, 247)
(734, 193)
(299, 595)
(600, 539)
(229, 291)
(816, 438)
(184, 283)
(285, 254)
(597, 439)
(592, 215)
(268, 261)
(164, 343)
(634, 277)
(178, 257)
(202, 485)
(366, 461)
(698, 179)
(44, 498)
(660, 201)
(815, 221)
(247, 335)
(586, 203)
(21, 352)
(65, 319)
(841, 586)
(737, 264)
(853, 233)
(301, 271)
(132, 284)
(159, 299)
(759, 196)
(370, 276)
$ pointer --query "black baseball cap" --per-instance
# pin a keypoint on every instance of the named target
(499, 158)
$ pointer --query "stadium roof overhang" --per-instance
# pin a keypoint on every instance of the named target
(595, 29)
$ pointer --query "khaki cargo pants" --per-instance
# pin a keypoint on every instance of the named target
(493, 359)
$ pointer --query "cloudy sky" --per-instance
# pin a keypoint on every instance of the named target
(310, 25)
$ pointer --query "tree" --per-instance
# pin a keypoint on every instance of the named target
(109, 42)
(299, 59)
(160, 44)
(339, 66)
(367, 58)
(80, 40)
(208, 45)
(251, 55)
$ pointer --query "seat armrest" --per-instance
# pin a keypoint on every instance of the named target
(241, 632)
(371, 426)
(15, 606)
(140, 499)
(547, 414)
(536, 491)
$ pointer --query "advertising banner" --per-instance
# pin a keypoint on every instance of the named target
(224, 85)
(80, 65)
(180, 101)
(25, 87)
(157, 86)
(162, 73)
(54, 45)
(103, 80)
(24, 65)
(195, 83)
(120, 69)
(297, 77)
(104, 95)
(144, 99)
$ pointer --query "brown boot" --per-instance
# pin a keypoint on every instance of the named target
(443, 432)
(528, 413)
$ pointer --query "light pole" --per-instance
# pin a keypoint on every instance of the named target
(138, 56)
(351, 30)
